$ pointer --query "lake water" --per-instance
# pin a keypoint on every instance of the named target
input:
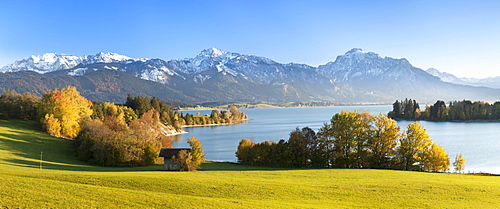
(478, 142)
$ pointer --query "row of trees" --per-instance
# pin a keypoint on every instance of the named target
(176, 119)
(351, 140)
(455, 111)
(18, 106)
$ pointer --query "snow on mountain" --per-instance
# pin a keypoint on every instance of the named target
(444, 76)
(104, 58)
(353, 66)
(254, 68)
(43, 63)
(207, 59)
(359, 65)
(353, 76)
(156, 70)
(50, 62)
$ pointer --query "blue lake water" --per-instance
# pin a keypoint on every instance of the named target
(478, 142)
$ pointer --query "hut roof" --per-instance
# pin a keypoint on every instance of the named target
(170, 152)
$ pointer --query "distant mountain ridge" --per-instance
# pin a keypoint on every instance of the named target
(217, 75)
(492, 82)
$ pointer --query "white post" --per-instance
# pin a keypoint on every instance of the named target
(41, 159)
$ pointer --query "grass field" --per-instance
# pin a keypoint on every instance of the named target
(65, 182)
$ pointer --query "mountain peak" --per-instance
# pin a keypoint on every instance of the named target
(358, 53)
(212, 52)
(43, 63)
(101, 57)
(355, 50)
(107, 57)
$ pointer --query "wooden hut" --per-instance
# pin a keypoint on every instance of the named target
(168, 154)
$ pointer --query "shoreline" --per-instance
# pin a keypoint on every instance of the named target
(259, 106)
(216, 124)
(177, 133)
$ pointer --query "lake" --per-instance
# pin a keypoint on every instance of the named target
(479, 142)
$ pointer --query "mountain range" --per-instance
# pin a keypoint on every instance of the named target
(491, 82)
(217, 75)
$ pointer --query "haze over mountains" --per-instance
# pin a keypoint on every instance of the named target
(491, 82)
(217, 75)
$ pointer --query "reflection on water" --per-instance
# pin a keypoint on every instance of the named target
(478, 142)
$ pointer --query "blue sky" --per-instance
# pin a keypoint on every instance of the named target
(459, 37)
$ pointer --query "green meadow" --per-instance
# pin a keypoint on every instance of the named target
(65, 182)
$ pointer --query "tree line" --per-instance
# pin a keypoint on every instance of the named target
(18, 106)
(170, 117)
(351, 140)
(464, 110)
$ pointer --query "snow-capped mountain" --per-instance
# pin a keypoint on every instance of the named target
(254, 68)
(356, 65)
(44, 63)
(217, 75)
(50, 62)
(106, 58)
(380, 76)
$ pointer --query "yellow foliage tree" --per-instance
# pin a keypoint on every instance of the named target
(383, 141)
(414, 146)
(436, 159)
(64, 110)
(196, 152)
(459, 163)
(52, 125)
(243, 151)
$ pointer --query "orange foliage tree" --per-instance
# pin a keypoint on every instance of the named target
(61, 112)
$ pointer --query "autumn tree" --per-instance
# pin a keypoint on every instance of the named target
(61, 112)
(184, 159)
(383, 142)
(123, 114)
(436, 159)
(459, 163)
(348, 134)
(413, 147)
(197, 156)
(190, 160)
(236, 114)
(243, 150)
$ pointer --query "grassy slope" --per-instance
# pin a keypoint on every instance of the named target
(66, 182)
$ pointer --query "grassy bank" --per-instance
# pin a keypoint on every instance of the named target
(65, 182)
